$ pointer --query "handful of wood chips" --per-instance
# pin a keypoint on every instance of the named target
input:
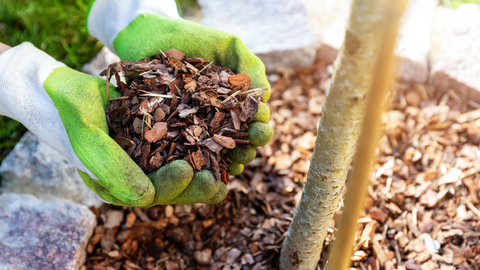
(174, 108)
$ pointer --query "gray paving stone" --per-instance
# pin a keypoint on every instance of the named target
(277, 31)
(414, 40)
(455, 52)
(324, 13)
(34, 167)
(39, 234)
(413, 44)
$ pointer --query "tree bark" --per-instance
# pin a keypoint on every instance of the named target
(337, 136)
(340, 254)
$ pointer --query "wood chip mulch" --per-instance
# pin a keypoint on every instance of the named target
(177, 108)
(422, 212)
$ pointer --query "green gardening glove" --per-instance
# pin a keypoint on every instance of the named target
(66, 109)
(157, 26)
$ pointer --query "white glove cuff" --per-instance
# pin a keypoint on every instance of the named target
(107, 18)
(23, 71)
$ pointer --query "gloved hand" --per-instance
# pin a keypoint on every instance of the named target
(66, 109)
(137, 29)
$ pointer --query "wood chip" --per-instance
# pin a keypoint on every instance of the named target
(165, 95)
(156, 133)
(239, 79)
(224, 141)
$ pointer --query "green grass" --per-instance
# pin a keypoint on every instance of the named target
(54, 26)
(457, 3)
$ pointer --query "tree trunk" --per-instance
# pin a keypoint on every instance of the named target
(340, 254)
(338, 133)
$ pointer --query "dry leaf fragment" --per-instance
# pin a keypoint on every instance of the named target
(315, 104)
(107, 241)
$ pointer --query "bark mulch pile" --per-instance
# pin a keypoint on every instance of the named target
(422, 212)
(181, 108)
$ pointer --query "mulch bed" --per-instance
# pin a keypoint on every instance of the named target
(422, 212)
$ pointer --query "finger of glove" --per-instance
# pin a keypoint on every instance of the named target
(80, 101)
(235, 168)
(202, 188)
(170, 181)
(136, 42)
(220, 195)
(243, 154)
(263, 113)
(251, 65)
(259, 134)
(102, 192)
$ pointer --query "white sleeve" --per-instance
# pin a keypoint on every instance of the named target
(23, 71)
(108, 17)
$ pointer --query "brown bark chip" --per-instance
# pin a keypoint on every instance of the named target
(217, 120)
(212, 145)
(175, 54)
(224, 141)
(159, 115)
(199, 160)
(177, 108)
(157, 132)
(239, 79)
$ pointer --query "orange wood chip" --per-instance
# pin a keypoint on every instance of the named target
(239, 79)
(157, 132)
